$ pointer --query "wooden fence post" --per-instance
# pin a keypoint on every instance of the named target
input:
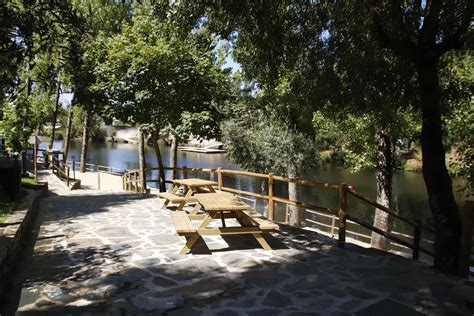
(185, 172)
(270, 197)
(333, 225)
(342, 214)
(416, 241)
(67, 175)
(466, 239)
(219, 178)
(35, 157)
(74, 168)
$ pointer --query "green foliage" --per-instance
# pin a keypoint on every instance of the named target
(157, 80)
(261, 144)
(32, 181)
(354, 135)
(457, 79)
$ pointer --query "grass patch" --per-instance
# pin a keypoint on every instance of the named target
(7, 205)
(32, 181)
(6, 208)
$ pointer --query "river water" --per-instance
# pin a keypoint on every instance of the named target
(409, 193)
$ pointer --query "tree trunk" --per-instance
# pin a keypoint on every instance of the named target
(27, 109)
(437, 180)
(384, 174)
(296, 214)
(174, 157)
(55, 114)
(85, 139)
(141, 160)
(68, 131)
(159, 158)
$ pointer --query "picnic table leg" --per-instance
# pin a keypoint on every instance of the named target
(211, 189)
(180, 206)
(262, 241)
(174, 189)
(222, 219)
(195, 209)
(190, 241)
(165, 204)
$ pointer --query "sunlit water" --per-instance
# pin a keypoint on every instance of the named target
(409, 193)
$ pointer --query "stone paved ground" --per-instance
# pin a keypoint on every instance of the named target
(113, 252)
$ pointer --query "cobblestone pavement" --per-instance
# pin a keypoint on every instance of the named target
(114, 252)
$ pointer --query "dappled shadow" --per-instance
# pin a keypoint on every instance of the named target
(306, 272)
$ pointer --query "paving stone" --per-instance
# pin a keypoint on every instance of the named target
(391, 284)
(321, 304)
(184, 311)
(114, 232)
(339, 313)
(360, 294)
(44, 303)
(277, 299)
(265, 278)
(163, 282)
(349, 305)
(310, 282)
(28, 296)
(227, 312)
(303, 295)
(148, 262)
(387, 307)
(243, 303)
(335, 291)
(145, 302)
(265, 312)
(165, 239)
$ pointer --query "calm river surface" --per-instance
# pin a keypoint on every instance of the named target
(409, 194)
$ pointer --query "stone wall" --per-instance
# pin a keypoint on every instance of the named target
(14, 232)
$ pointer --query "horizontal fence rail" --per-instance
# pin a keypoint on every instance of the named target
(339, 217)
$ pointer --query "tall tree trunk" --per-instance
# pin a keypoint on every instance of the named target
(55, 114)
(296, 214)
(68, 131)
(384, 175)
(174, 156)
(85, 139)
(159, 158)
(27, 109)
(437, 180)
(141, 160)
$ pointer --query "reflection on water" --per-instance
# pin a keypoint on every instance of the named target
(409, 194)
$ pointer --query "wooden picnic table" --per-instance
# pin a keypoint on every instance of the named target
(191, 186)
(227, 206)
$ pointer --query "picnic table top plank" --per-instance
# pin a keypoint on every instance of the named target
(220, 201)
(192, 182)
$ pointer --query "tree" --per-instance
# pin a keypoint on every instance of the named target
(422, 35)
(280, 37)
(152, 79)
(261, 144)
(369, 141)
(91, 22)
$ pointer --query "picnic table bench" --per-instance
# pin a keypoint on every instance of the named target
(191, 186)
(227, 206)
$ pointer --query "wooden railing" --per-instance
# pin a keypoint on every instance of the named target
(61, 170)
(131, 182)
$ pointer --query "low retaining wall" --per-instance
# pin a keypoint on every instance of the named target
(14, 232)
